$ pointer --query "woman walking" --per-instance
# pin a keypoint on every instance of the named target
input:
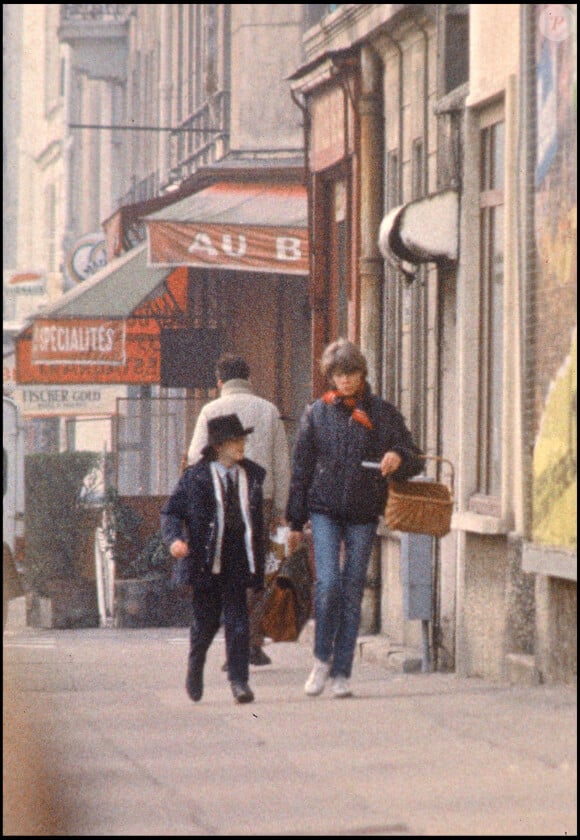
(343, 500)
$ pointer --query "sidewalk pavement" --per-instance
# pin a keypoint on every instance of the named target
(101, 739)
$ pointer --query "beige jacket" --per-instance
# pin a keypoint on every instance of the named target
(267, 445)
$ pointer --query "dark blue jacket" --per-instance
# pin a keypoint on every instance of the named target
(194, 513)
(327, 476)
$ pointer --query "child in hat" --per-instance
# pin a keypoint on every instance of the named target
(213, 526)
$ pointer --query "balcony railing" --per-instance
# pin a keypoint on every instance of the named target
(202, 138)
(141, 190)
(197, 141)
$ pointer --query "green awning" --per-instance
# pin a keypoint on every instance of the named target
(114, 291)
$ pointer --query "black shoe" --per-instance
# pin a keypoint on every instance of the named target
(194, 683)
(242, 692)
(258, 657)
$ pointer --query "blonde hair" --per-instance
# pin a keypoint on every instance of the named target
(344, 356)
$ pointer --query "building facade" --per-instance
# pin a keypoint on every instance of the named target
(412, 168)
(426, 178)
(157, 103)
(35, 197)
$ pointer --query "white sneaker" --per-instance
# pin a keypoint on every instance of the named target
(341, 687)
(315, 683)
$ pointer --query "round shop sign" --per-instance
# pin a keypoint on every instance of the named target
(556, 22)
(88, 254)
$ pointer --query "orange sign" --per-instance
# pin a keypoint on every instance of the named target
(141, 367)
(239, 248)
(85, 351)
(79, 342)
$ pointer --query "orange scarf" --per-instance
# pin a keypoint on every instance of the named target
(334, 397)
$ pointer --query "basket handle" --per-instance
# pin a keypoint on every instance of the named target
(444, 461)
(371, 465)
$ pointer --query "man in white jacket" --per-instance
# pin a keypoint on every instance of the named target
(267, 446)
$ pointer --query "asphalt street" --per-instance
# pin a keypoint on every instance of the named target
(100, 739)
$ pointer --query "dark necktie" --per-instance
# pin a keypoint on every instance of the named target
(233, 514)
(230, 491)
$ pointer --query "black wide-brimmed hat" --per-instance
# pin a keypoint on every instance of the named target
(226, 427)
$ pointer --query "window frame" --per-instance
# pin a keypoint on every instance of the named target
(486, 499)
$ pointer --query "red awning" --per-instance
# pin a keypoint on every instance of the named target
(237, 226)
(106, 330)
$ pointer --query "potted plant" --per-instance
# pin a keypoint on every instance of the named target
(59, 557)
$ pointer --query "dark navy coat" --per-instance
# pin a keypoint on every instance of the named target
(327, 476)
(194, 513)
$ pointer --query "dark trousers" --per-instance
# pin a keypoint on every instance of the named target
(226, 595)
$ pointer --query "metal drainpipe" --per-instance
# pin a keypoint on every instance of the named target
(436, 548)
(371, 271)
(309, 210)
(371, 211)
(373, 593)
(421, 289)
(306, 130)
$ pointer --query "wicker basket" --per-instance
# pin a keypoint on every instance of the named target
(421, 507)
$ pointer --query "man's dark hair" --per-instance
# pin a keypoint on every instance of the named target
(232, 367)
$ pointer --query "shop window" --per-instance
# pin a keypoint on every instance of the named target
(491, 270)
(43, 434)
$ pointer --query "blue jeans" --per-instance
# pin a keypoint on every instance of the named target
(339, 590)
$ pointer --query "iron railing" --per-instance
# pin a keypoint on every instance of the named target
(142, 190)
(201, 138)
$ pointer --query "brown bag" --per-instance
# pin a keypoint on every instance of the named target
(279, 619)
(288, 599)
